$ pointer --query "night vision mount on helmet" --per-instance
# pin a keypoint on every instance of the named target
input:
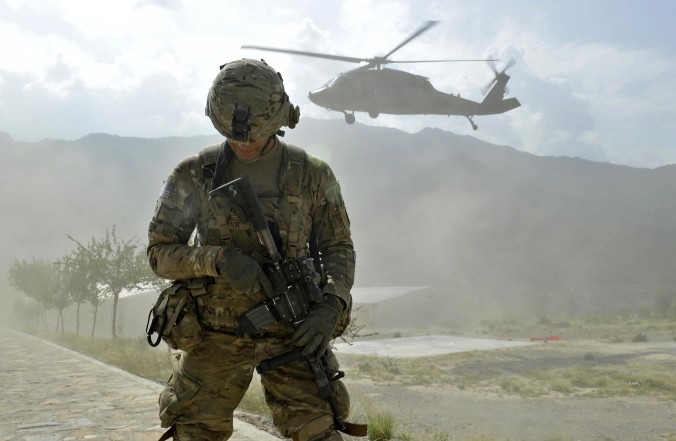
(247, 101)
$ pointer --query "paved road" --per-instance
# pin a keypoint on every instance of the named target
(49, 393)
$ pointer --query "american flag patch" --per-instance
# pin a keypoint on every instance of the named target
(168, 189)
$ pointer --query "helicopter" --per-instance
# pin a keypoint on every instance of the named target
(375, 89)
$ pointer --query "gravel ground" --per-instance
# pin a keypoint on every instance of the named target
(488, 413)
(464, 414)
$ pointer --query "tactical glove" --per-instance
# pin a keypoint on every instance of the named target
(314, 334)
(242, 272)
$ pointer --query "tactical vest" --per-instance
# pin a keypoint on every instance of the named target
(290, 205)
(222, 305)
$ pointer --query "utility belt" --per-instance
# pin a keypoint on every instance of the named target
(188, 307)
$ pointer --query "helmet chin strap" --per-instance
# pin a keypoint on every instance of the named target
(269, 145)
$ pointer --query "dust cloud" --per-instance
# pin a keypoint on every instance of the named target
(499, 231)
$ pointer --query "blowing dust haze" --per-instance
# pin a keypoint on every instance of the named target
(539, 234)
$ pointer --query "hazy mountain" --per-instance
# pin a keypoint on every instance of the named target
(431, 208)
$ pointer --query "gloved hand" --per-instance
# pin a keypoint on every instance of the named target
(314, 334)
(242, 272)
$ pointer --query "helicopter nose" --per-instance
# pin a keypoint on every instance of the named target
(321, 97)
(313, 96)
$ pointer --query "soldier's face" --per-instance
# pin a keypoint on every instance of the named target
(248, 151)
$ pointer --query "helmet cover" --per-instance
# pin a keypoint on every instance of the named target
(256, 88)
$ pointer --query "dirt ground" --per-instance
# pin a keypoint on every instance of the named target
(444, 409)
(492, 395)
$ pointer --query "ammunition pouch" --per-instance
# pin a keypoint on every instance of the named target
(295, 289)
(174, 318)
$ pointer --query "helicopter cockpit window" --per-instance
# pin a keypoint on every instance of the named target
(329, 83)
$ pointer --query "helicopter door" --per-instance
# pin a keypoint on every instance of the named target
(372, 96)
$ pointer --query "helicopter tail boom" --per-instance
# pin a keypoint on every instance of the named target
(498, 106)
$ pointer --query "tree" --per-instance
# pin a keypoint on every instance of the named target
(40, 280)
(80, 278)
(118, 265)
(85, 268)
(60, 298)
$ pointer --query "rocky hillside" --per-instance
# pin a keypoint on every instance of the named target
(430, 208)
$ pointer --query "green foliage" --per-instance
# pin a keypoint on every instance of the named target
(93, 272)
(520, 386)
(35, 278)
(381, 369)
(81, 275)
(43, 282)
(131, 355)
(105, 267)
(354, 330)
(607, 381)
(380, 426)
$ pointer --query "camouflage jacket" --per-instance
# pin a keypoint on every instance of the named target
(311, 200)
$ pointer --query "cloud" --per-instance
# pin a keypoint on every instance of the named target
(553, 120)
(589, 99)
(580, 97)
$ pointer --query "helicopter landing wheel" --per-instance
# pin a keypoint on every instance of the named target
(349, 118)
(471, 121)
(374, 114)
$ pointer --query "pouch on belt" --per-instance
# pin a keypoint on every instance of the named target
(174, 317)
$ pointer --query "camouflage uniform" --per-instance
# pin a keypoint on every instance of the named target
(208, 383)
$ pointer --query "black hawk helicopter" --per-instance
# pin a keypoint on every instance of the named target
(375, 89)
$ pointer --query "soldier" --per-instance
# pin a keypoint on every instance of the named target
(299, 195)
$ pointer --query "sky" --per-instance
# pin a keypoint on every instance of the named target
(596, 78)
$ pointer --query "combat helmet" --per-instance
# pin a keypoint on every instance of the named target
(247, 101)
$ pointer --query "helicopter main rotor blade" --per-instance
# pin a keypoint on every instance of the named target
(308, 54)
(425, 27)
(439, 61)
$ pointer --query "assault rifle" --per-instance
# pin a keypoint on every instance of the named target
(294, 291)
(293, 280)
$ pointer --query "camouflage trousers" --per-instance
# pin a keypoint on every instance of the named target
(208, 383)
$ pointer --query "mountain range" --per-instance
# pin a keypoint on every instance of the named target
(427, 209)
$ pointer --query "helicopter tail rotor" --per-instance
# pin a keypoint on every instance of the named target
(498, 75)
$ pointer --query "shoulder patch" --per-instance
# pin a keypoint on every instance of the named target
(168, 188)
